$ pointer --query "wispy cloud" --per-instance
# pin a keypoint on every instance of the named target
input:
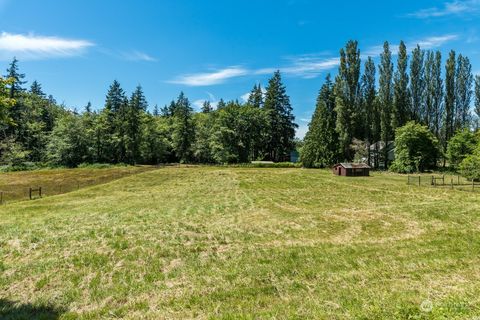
(306, 66)
(31, 46)
(427, 43)
(456, 7)
(207, 79)
(138, 56)
(198, 104)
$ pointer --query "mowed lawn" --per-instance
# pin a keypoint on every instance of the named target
(228, 243)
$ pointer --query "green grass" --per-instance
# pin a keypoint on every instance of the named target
(228, 243)
(15, 185)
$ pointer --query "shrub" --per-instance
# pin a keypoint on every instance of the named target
(470, 167)
(416, 149)
(460, 146)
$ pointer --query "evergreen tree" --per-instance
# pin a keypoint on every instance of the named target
(17, 78)
(280, 123)
(36, 89)
(183, 129)
(321, 141)
(136, 109)
(449, 97)
(385, 97)
(417, 84)
(156, 111)
(348, 97)
(88, 107)
(372, 119)
(221, 104)
(463, 93)
(115, 111)
(401, 103)
(255, 98)
(207, 107)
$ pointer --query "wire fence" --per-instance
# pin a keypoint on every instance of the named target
(444, 181)
(13, 192)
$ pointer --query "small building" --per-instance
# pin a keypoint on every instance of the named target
(352, 169)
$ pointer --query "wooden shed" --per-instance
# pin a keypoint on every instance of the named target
(351, 169)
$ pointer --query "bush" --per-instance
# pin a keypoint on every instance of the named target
(470, 167)
(416, 149)
(460, 146)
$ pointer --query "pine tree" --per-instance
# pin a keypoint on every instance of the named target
(183, 129)
(17, 78)
(255, 98)
(417, 84)
(115, 107)
(280, 126)
(385, 96)
(156, 111)
(135, 111)
(348, 98)
(401, 103)
(463, 93)
(372, 119)
(88, 107)
(221, 104)
(449, 97)
(36, 89)
(321, 141)
(207, 107)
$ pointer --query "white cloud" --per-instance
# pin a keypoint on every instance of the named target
(425, 43)
(138, 56)
(198, 104)
(456, 7)
(245, 96)
(30, 46)
(207, 79)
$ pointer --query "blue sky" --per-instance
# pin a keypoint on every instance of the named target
(216, 49)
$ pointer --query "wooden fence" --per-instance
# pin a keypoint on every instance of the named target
(451, 182)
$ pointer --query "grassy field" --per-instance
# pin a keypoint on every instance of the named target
(15, 185)
(244, 243)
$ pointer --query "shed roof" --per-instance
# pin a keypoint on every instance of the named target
(349, 165)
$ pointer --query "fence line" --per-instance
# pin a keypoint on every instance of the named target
(21, 191)
(439, 181)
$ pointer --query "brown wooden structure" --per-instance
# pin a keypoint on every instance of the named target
(351, 169)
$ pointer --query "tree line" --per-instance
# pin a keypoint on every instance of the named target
(358, 108)
(36, 129)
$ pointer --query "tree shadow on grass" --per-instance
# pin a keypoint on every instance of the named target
(10, 310)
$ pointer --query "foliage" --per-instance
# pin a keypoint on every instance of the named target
(416, 149)
(321, 141)
(470, 166)
(460, 146)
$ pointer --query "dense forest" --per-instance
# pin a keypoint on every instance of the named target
(354, 111)
(35, 129)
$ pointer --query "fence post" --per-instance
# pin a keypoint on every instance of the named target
(458, 180)
(40, 192)
(419, 181)
(443, 180)
(1, 197)
(433, 181)
(452, 183)
(30, 193)
(408, 179)
(473, 184)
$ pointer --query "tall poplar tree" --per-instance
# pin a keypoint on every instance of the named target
(348, 97)
(371, 119)
(449, 97)
(401, 99)
(417, 84)
(463, 93)
(436, 94)
(477, 97)
(385, 97)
